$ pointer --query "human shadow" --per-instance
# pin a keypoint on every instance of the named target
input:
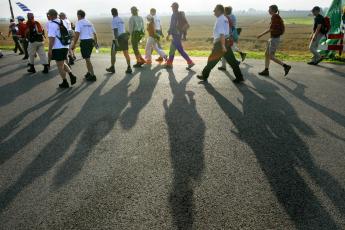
(14, 144)
(333, 70)
(92, 123)
(186, 136)
(12, 70)
(299, 92)
(269, 124)
(140, 97)
(22, 85)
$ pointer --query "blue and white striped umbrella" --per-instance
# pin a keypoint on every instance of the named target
(23, 7)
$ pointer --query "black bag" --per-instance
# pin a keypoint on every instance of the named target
(65, 36)
(34, 35)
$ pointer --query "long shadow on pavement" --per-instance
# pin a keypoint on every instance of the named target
(186, 136)
(268, 125)
(140, 97)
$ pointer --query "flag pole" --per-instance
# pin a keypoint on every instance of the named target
(11, 9)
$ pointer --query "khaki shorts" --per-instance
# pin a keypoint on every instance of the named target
(272, 45)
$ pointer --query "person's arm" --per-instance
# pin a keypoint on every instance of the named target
(50, 49)
(222, 41)
(130, 25)
(95, 38)
(76, 38)
(264, 33)
(9, 32)
(317, 32)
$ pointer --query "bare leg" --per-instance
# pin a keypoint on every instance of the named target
(62, 72)
(89, 66)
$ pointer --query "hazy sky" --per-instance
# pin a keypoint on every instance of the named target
(96, 7)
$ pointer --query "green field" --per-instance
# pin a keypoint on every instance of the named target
(299, 21)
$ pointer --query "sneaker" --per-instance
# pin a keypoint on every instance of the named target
(160, 59)
(222, 68)
(312, 63)
(21, 53)
(73, 79)
(91, 78)
(25, 58)
(243, 56)
(287, 69)
(238, 81)
(190, 66)
(64, 85)
(265, 73)
(129, 70)
(111, 69)
(202, 78)
(320, 60)
(32, 69)
(87, 75)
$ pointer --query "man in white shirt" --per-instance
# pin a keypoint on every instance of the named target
(120, 41)
(68, 23)
(57, 50)
(221, 47)
(88, 38)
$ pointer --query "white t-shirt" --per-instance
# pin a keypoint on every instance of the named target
(54, 32)
(85, 28)
(118, 24)
(221, 27)
(157, 22)
(68, 24)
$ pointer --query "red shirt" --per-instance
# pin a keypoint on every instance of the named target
(22, 29)
(277, 26)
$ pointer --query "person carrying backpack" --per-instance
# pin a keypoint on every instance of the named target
(35, 36)
(176, 26)
(277, 29)
(59, 42)
(319, 31)
(13, 30)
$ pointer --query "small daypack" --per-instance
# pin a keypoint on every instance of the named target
(182, 22)
(65, 36)
(35, 35)
(278, 28)
(326, 27)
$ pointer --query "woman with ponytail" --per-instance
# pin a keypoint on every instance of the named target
(276, 30)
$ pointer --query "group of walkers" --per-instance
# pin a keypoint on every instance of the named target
(63, 37)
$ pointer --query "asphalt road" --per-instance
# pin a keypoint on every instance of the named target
(158, 150)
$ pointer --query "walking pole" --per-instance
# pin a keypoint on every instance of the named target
(11, 9)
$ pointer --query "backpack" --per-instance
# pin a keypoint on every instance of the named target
(326, 26)
(278, 28)
(34, 34)
(65, 36)
(182, 23)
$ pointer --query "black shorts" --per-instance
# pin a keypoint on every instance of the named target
(59, 54)
(122, 43)
(86, 47)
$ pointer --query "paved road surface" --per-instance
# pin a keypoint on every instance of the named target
(157, 150)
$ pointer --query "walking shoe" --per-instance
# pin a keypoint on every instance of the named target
(190, 66)
(91, 78)
(87, 75)
(129, 70)
(46, 69)
(160, 59)
(21, 53)
(25, 58)
(31, 69)
(243, 56)
(238, 80)
(287, 69)
(312, 63)
(111, 69)
(64, 84)
(265, 73)
(222, 68)
(72, 78)
(202, 78)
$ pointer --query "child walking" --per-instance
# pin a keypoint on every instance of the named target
(276, 30)
(152, 41)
